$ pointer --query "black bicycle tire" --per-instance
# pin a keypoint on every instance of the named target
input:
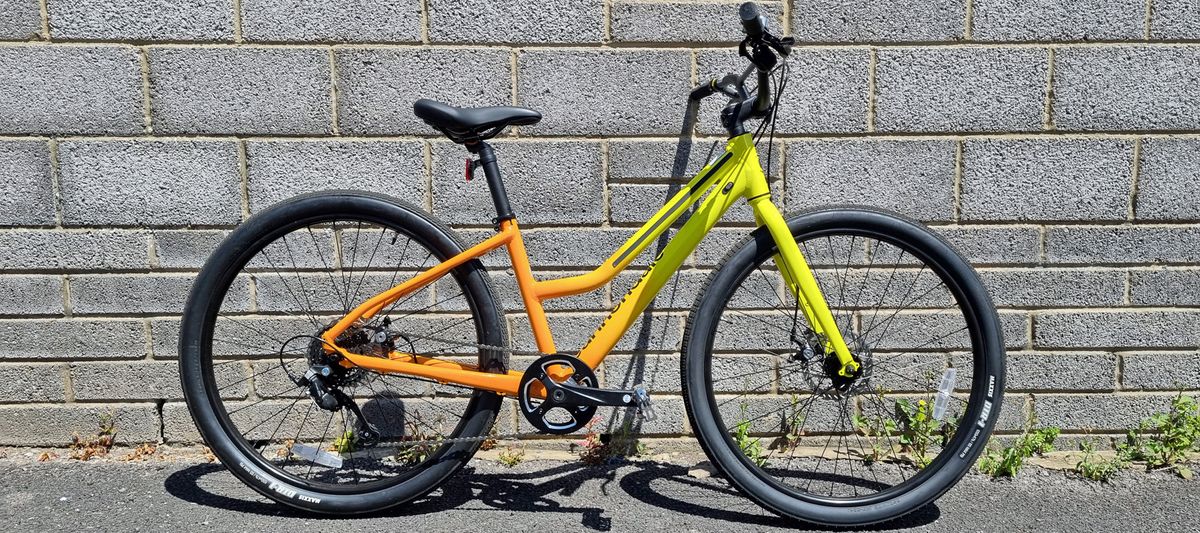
(205, 298)
(715, 441)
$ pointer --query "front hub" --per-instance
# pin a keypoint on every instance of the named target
(832, 367)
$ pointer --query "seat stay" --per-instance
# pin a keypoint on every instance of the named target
(377, 303)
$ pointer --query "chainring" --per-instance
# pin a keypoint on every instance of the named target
(546, 414)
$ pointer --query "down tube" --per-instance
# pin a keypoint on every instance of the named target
(719, 199)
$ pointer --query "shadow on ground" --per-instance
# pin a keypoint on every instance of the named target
(668, 487)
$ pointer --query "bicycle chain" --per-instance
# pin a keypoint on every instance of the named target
(460, 344)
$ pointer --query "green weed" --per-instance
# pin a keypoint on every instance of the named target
(512, 456)
(345, 443)
(878, 430)
(422, 440)
(1007, 461)
(1164, 440)
(1095, 468)
(751, 447)
(917, 429)
(600, 448)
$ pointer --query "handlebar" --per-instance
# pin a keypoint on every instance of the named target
(761, 48)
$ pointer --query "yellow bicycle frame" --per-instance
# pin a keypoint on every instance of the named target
(736, 174)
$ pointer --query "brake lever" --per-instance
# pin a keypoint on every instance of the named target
(782, 46)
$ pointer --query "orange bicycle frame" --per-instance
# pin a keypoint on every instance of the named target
(734, 175)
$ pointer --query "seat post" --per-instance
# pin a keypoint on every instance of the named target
(491, 170)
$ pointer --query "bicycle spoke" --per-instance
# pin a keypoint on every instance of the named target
(826, 445)
(320, 445)
(302, 288)
(348, 275)
(367, 268)
(308, 309)
(328, 271)
(248, 378)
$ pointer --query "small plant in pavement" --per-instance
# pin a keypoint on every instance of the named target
(512, 455)
(918, 428)
(878, 430)
(1007, 461)
(750, 446)
(141, 452)
(97, 444)
(1096, 468)
(599, 448)
(1164, 440)
(420, 442)
(492, 439)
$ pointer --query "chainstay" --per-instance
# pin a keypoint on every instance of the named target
(461, 344)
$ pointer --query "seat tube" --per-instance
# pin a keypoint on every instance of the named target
(491, 171)
(525, 282)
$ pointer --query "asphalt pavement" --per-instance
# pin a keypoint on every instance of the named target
(545, 495)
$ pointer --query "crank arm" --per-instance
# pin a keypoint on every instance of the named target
(569, 393)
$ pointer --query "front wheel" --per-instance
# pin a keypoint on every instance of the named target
(769, 408)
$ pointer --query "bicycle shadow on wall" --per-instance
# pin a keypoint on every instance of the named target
(634, 371)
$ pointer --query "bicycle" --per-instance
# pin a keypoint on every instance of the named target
(843, 412)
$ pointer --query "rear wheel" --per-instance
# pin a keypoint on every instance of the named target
(265, 394)
(769, 408)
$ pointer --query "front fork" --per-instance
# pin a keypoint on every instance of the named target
(803, 285)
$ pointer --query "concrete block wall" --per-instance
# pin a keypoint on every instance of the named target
(1055, 142)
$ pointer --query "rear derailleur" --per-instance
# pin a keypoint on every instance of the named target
(333, 399)
(323, 381)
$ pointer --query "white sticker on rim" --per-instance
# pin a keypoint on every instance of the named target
(317, 455)
(943, 394)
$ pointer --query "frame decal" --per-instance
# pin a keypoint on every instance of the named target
(681, 203)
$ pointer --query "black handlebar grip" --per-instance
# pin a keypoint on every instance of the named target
(752, 21)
